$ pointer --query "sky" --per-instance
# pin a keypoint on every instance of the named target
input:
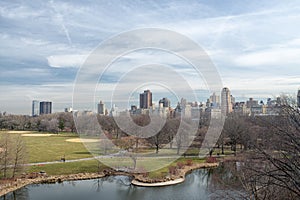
(254, 45)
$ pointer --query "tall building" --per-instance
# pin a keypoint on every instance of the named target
(146, 99)
(251, 103)
(298, 99)
(226, 105)
(214, 100)
(35, 108)
(45, 107)
(165, 102)
(101, 108)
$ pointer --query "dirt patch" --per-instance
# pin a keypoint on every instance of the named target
(37, 135)
(18, 131)
(79, 140)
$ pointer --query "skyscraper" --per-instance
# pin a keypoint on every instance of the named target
(226, 106)
(101, 108)
(35, 108)
(45, 107)
(146, 99)
(215, 99)
(298, 99)
(166, 102)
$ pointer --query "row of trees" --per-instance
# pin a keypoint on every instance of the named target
(51, 122)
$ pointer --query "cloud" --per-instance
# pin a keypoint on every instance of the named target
(269, 57)
(255, 47)
(65, 61)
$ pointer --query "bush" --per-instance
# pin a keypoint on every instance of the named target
(211, 160)
(180, 165)
(189, 162)
(172, 170)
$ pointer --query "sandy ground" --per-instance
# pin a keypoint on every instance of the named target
(77, 140)
(18, 131)
(37, 135)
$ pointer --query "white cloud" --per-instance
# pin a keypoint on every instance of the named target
(20, 12)
(277, 56)
(255, 48)
(64, 61)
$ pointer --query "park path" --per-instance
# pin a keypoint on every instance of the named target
(99, 157)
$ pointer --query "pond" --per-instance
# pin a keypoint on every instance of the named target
(198, 185)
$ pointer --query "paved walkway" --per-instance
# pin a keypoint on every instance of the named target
(99, 157)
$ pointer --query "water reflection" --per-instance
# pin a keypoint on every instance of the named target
(198, 185)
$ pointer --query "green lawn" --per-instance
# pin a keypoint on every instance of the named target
(90, 166)
(53, 148)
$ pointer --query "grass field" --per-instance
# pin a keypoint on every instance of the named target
(53, 148)
(90, 166)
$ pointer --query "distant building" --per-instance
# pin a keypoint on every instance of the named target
(183, 102)
(232, 98)
(163, 111)
(101, 108)
(187, 111)
(146, 99)
(69, 109)
(35, 108)
(241, 108)
(133, 109)
(214, 100)
(226, 105)
(114, 111)
(45, 107)
(251, 103)
(215, 113)
(165, 102)
(298, 98)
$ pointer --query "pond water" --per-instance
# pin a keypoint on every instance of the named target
(198, 185)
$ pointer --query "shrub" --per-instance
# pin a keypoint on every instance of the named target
(211, 160)
(189, 162)
(172, 170)
(180, 165)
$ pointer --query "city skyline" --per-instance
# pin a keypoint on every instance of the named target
(55, 37)
(215, 100)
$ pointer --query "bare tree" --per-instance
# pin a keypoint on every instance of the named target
(282, 161)
(12, 154)
(235, 128)
(18, 155)
(5, 153)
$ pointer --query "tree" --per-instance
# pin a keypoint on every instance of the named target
(282, 161)
(128, 144)
(182, 135)
(61, 124)
(53, 126)
(157, 140)
(5, 153)
(12, 154)
(235, 128)
(271, 170)
(18, 155)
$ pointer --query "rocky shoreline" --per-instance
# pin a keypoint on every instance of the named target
(138, 179)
